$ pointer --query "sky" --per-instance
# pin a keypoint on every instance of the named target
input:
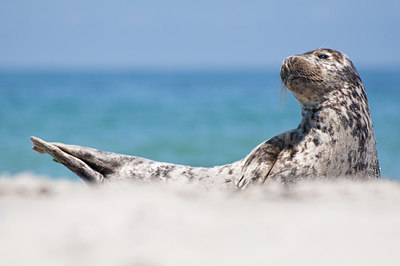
(92, 34)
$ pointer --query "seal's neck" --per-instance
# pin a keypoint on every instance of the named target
(336, 108)
(315, 116)
(309, 115)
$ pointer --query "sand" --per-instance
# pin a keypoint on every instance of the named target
(60, 222)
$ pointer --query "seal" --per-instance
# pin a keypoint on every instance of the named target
(335, 137)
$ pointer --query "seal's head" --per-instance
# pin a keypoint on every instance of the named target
(312, 75)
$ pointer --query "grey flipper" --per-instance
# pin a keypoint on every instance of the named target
(76, 165)
(258, 164)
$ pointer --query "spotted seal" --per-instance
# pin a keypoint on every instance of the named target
(334, 139)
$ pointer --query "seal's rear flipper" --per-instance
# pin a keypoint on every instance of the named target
(75, 164)
(103, 162)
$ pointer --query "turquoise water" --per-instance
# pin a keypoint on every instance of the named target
(200, 118)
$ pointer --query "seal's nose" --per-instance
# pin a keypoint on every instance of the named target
(290, 60)
(287, 60)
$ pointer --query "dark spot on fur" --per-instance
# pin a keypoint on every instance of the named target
(357, 129)
(344, 121)
(134, 174)
(361, 143)
(331, 131)
(349, 158)
(350, 122)
(364, 95)
(293, 151)
(163, 171)
(293, 172)
(354, 107)
(359, 167)
(314, 171)
(316, 142)
(355, 94)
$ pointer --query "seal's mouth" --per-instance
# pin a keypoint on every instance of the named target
(295, 76)
(287, 76)
(285, 73)
(289, 73)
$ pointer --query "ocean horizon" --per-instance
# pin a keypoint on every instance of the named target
(195, 117)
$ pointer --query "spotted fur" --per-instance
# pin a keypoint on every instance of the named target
(335, 136)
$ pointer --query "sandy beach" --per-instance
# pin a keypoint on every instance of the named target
(60, 222)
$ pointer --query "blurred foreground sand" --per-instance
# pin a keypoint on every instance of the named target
(48, 222)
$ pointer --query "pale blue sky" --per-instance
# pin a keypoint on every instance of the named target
(202, 33)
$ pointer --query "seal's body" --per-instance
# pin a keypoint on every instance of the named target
(334, 139)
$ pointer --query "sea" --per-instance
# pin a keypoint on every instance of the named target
(193, 117)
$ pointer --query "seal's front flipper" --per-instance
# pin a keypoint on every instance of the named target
(73, 163)
(259, 162)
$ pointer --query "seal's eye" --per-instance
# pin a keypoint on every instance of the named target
(323, 56)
